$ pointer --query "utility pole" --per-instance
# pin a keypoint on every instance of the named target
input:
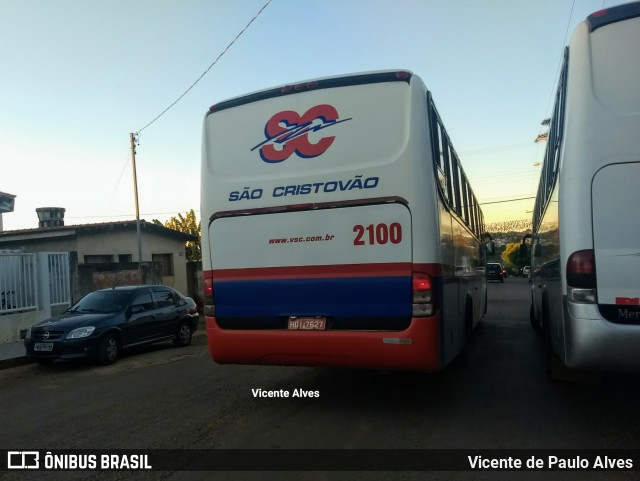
(132, 140)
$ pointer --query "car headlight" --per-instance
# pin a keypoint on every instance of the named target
(27, 336)
(81, 332)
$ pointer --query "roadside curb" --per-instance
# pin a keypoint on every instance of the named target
(14, 362)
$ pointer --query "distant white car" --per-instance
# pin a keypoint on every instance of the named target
(526, 270)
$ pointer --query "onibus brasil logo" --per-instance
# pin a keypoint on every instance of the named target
(287, 133)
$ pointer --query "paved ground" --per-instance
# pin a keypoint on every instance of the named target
(163, 397)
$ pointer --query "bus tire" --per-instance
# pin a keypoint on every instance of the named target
(534, 322)
(546, 336)
(468, 321)
(486, 301)
(463, 356)
(556, 369)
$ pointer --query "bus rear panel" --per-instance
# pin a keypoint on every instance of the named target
(321, 236)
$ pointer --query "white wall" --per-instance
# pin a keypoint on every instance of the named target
(12, 324)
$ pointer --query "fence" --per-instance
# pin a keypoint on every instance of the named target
(27, 279)
(59, 285)
(18, 282)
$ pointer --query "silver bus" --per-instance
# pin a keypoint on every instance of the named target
(585, 249)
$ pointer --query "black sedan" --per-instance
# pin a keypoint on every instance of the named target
(105, 322)
(495, 272)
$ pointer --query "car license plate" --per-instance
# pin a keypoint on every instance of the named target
(308, 323)
(43, 346)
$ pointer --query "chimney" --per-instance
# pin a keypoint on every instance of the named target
(50, 216)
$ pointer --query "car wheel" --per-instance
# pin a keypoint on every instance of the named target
(108, 349)
(183, 337)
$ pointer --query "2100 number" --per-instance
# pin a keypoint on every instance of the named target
(377, 234)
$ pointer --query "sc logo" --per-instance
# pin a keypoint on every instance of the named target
(287, 133)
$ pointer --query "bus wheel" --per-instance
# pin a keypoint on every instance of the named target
(462, 359)
(558, 371)
(486, 300)
(534, 322)
(468, 322)
(550, 358)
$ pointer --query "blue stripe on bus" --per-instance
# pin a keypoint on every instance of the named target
(336, 297)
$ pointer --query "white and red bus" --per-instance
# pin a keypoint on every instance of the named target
(585, 267)
(339, 228)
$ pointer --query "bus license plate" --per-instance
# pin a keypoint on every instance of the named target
(308, 323)
(43, 346)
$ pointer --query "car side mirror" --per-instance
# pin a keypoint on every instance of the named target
(524, 251)
(136, 309)
(491, 248)
(537, 250)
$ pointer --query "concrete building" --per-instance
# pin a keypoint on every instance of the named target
(46, 269)
(110, 244)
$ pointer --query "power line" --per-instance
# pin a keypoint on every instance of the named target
(127, 215)
(503, 201)
(126, 163)
(208, 68)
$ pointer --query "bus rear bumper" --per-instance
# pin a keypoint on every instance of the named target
(414, 349)
(593, 342)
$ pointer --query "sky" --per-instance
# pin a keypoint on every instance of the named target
(77, 76)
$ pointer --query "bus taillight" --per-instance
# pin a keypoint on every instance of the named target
(581, 276)
(422, 294)
(209, 303)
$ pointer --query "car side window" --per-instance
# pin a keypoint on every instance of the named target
(164, 297)
(144, 300)
(180, 301)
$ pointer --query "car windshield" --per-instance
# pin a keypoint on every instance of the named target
(102, 302)
(493, 267)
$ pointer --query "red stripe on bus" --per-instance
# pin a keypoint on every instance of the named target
(392, 269)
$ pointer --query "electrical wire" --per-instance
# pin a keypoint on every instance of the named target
(208, 68)
(128, 215)
(126, 163)
(504, 201)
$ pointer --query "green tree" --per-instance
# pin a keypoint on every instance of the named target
(188, 224)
